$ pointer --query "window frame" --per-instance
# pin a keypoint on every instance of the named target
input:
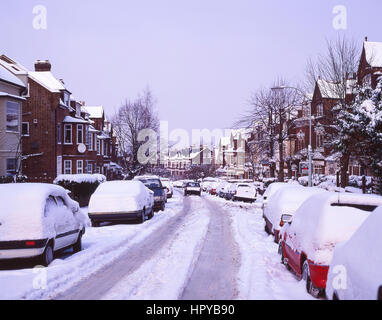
(22, 129)
(8, 105)
(78, 167)
(71, 166)
(71, 133)
(82, 133)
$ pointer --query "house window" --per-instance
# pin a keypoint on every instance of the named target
(319, 140)
(59, 165)
(11, 167)
(90, 142)
(98, 147)
(12, 116)
(367, 80)
(80, 166)
(320, 110)
(68, 134)
(98, 170)
(90, 168)
(80, 133)
(59, 134)
(25, 129)
(68, 167)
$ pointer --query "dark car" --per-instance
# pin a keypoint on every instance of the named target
(192, 188)
(160, 191)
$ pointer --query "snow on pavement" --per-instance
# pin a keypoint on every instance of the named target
(261, 275)
(101, 246)
(164, 276)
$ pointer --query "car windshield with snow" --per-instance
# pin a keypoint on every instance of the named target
(160, 192)
(37, 220)
(119, 201)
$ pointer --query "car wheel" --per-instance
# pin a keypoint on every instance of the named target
(48, 255)
(95, 224)
(77, 247)
(309, 285)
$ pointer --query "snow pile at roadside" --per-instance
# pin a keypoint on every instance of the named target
(261, 275)
(165, 275)
(101, 246)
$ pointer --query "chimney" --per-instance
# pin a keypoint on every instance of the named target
(42, 65)
(366, 39)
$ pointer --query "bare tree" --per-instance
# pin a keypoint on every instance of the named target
(335, 71)
(132, 118)
(271, 118)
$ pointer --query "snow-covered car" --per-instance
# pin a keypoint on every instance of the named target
(222, 189)
(170, 190)
(37, 220)
(178, 184)
(321, 222)
(285, 202)
(160, 192)
(231, 191)
(120, 201)
(212, 187)
(192, 188)
(245, 192)
(355, 270)
(272, 188)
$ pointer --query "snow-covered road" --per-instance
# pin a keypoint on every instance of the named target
(199, 248)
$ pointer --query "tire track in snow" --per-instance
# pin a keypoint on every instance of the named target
(215, 273)
(164, 275)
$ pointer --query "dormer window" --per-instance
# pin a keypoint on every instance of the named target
(320, 110)
(67, 99)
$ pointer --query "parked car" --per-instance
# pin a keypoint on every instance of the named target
(36, 220)
(245, 192)
(231, 191)
(160, 192)
(170, 190)
(321, 222)
(272, 188)
(222, 189)
(285, 202)
(212, 187)
(121, 201)
(185, 182)
(355, 270)
(178, 184)
(193, 188)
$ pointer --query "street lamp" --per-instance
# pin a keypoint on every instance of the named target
(310, 182)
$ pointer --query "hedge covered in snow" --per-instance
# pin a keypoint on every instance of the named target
(82, 186)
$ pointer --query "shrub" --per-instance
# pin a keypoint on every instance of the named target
(81, 186)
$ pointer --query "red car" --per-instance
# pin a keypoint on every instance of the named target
(318, 225)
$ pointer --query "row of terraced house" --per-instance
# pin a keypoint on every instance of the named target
(45, 131)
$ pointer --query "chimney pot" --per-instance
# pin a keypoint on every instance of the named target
(366, 39)
(42, 65)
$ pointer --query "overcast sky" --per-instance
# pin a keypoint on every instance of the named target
(201, 58)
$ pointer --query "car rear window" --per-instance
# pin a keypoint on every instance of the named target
(193, 184)
(363, 207)
(243, 186)
(151, 183)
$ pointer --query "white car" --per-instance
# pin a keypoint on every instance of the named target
(170, 189)
(38, 219)
(285, 201)
(119, 201)
(245, 192)
(355, 270)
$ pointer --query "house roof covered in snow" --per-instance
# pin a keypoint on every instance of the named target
(94, 111)
(69, 119)
(47, 80)
(9, 77)
(373, 51)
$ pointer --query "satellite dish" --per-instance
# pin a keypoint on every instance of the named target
(81, 148)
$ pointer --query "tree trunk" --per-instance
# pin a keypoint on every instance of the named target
(281, 166)
(344, 161)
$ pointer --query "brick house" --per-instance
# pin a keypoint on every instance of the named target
(11, 98)
(370, 66)
(59, 136)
